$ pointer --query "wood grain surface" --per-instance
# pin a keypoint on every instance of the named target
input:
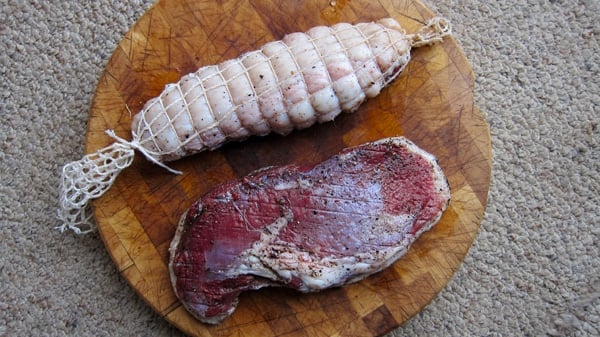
(431, 103)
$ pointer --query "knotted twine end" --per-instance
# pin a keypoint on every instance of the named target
(90, 177)
(433, 31)
(134, 144)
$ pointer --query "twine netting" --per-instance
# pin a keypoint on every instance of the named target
(171, 127)
(87, 179)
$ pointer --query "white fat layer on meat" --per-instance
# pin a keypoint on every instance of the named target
(282, 261)
(286, 185)
(251, 261)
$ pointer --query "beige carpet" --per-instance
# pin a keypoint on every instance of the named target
(534, 269)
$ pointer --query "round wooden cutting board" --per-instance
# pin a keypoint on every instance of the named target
(431, 103)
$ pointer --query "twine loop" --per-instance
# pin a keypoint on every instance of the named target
(433, 31)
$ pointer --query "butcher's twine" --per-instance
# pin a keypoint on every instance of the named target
(91, 176)
(433, 31)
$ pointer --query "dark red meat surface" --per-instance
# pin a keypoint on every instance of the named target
(305, 227)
